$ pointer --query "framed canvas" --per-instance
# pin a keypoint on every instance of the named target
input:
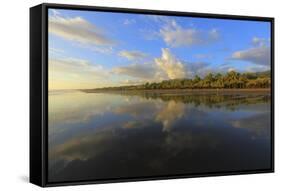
(127, 94)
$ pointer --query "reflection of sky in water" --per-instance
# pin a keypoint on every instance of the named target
(97, 136)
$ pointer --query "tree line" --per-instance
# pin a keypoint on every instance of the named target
(229, 80)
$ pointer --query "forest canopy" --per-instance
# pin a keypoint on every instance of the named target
(228, 80)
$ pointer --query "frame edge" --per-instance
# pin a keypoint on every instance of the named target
(36, 170)
(43, 73)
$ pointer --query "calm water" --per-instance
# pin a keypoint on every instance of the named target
(102, 136)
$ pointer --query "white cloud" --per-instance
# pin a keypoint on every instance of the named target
(77, 29)
(170, 114)
(55, 51)
(257, 55)
(259, 41)
(165, 67)
(71, 73)
(231, 69)
(103, 49)
(132, 55)
(175, 36)
(169, 64)
(73, 65)
(159, 19)
(55, 12)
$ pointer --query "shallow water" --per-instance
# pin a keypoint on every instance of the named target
(110, 135)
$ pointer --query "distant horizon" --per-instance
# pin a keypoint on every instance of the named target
(147, 82)
(88, 50)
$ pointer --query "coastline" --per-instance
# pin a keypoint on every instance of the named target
(181, 91)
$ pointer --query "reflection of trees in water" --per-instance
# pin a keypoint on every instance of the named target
(217, 101)
(227, 101)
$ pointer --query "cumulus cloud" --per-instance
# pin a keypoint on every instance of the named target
(165, 67)
(169, 64)
(145, 71)
(175, 36)
(257, 55)
(132, 55)
(77, 29)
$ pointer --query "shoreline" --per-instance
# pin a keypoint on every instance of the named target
(246, 90)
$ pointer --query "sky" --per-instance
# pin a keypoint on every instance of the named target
(90, 49)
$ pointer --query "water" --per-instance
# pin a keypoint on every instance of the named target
(94, 136)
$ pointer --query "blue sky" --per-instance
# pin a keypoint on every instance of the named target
(90, 49)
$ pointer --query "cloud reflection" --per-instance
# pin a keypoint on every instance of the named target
(122, 135)
(172, 112)
(258, 125)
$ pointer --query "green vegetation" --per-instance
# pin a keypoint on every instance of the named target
(230, 80)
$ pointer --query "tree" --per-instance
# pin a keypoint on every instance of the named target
(231, 79)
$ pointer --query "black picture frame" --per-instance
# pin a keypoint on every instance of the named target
(39, 91)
